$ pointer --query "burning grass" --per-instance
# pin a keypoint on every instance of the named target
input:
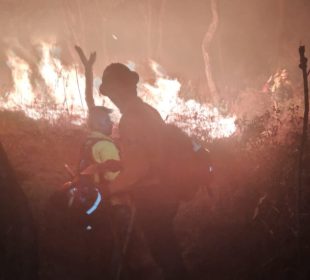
(58, 90)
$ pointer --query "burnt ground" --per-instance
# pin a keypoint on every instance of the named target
(245, 228)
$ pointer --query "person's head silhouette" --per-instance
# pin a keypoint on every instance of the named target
(99, 120)
(119, 83)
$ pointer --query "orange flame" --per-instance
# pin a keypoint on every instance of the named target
(63, 93)
(200, 120)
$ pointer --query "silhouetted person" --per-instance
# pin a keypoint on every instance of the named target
(141, 130)
(18, 245)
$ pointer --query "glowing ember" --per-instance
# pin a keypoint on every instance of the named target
(63, 88)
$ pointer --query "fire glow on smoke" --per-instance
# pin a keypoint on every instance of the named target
(60, 90)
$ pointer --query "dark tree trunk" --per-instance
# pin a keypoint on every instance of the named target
(18, 244)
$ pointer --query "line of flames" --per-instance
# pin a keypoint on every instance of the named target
(61, 91)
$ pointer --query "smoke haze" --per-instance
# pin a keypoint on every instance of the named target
(252, 40)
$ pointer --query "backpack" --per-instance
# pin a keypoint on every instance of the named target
(180, 166)
(187, 165)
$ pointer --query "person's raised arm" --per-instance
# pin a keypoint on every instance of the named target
(88, 67)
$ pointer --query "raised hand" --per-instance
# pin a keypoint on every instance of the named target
(92, 58)
(86, 62)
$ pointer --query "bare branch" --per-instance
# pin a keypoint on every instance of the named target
(88, 66)
(205, 50)
(305, 72)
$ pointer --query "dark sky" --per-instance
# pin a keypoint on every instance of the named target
(253, 39)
